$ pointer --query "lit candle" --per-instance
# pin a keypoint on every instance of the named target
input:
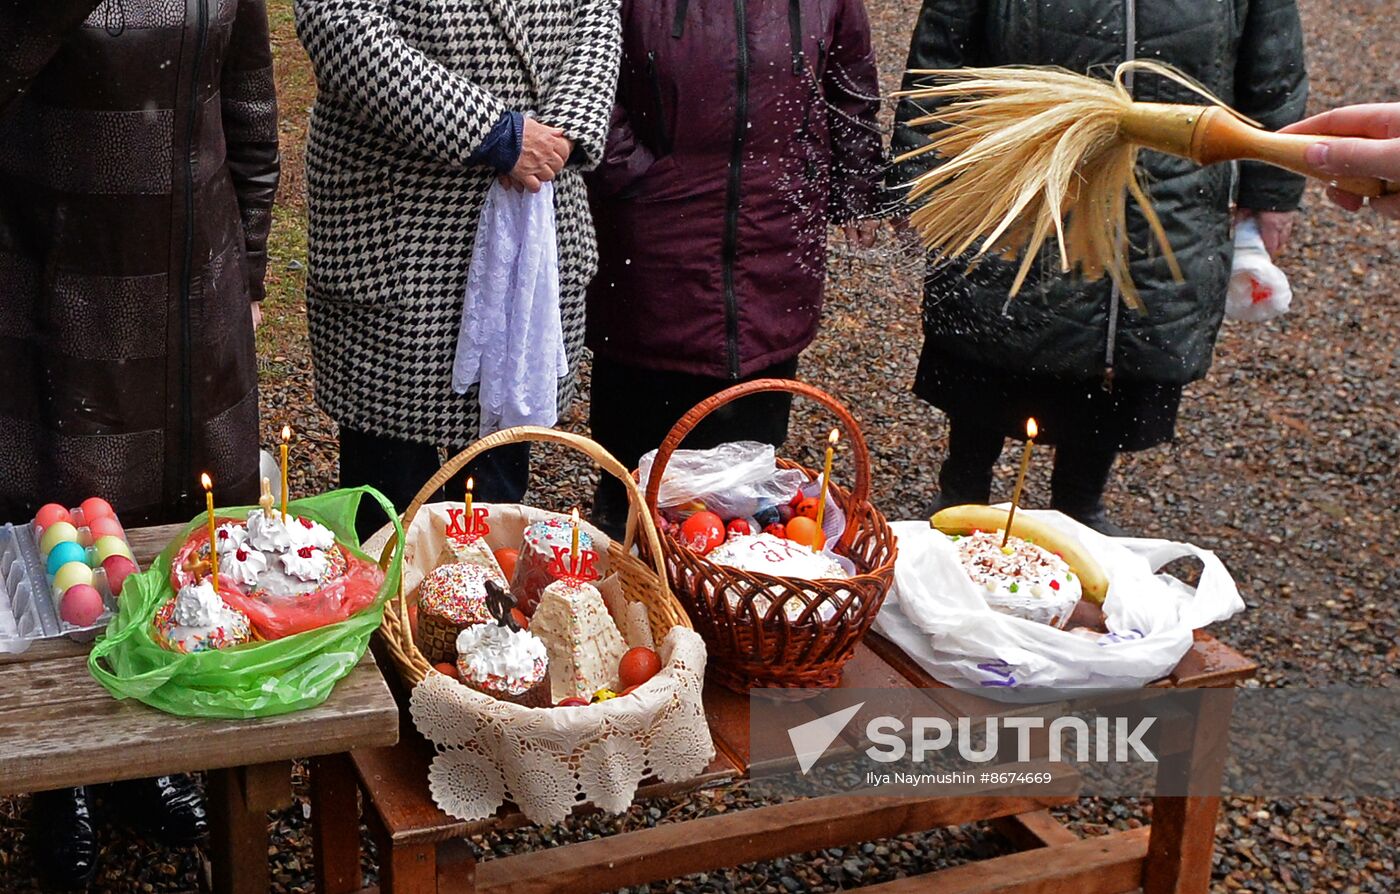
(213, 543)
(573, 551)
(286, 440)
(470, 521)
(1031, 432)
(819, 540)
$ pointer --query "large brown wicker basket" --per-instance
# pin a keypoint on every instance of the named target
(640, 581)
(758, 646)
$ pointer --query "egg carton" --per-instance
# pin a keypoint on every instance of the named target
(28, 604)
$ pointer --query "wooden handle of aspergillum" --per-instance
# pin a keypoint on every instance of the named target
(1220, 136)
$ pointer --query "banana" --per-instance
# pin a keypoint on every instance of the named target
(969, 518)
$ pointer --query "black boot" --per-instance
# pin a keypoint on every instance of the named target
(1077, 485)
(966, 475)
(169, 809)
(64, 843)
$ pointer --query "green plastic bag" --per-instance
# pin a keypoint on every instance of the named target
(257, 679)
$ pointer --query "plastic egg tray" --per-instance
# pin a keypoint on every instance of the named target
(28, 603)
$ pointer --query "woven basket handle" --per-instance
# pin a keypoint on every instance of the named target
(523, 434)
(859, 496)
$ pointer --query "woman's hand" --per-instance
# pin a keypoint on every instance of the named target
(1275, 227)
(1377, 154)
(543, 152)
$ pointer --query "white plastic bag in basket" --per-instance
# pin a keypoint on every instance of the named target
(940, 619)
(733, 480)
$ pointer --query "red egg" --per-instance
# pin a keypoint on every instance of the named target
(447, 668)
(506, 559)
(808, 508)
(702, 532)
(106, 526)
(96, 507)
(638, 666)
(50, 513)
(572, 701)
(739, 527)
(519, 618)
(118, 568)
(777, 529)
(81, 605)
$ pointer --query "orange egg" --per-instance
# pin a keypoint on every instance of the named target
(802, 530)
(506, 559)
(638, 666)
(444, 667)
(808, 508)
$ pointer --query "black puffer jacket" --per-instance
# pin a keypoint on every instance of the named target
(1248, 52)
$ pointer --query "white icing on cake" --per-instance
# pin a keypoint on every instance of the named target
(243, 564)
(305, 563)
(230, 537)
(503, 659)
(584, 644)
(268, 533)
(197, 605)
(770, 554)
(197, 620)
(305, 532)
(1023, 580)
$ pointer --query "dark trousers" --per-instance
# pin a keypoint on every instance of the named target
(632, 409)
(1077, 481)
(399, 469)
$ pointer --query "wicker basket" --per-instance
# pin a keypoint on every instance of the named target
(640, 582)
(760, 646)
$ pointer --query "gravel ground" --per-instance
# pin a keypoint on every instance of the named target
(1284, 464)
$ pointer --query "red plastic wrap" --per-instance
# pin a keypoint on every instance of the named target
(275, 616)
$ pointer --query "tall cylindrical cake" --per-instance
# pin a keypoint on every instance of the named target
(450, 599)
(537, 556)
(583, 642)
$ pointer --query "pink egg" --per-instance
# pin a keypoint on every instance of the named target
(118, 567)
(96, 507)
(50, 513)
(106, 526)
(81, 605)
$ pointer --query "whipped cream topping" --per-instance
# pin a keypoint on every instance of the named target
(268, 533)
(230, 537)
(305, 563)
(305, 532)
(490, 652)
(197, 605)
(243, 564)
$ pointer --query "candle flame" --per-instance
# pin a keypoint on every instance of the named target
(1031, 428)
(470, 483)
(574, 516)
(833, 437)
(286, 433)
(205, 480)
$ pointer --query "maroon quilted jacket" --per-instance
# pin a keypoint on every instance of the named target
(742, 129)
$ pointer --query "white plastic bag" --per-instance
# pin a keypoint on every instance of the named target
(939, 618)
(511, 338)
(1258, 291)
(733, 480)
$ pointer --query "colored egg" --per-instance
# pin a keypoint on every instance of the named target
(106, 526)
(702, 532)
(71, 575)
(56, 533)
(111, 546)
(96, 507)
(50, 513)
(802, 529)
(63, 553)
(507, 558)
(81, 605)
(118, 569)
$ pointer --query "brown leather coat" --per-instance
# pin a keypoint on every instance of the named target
(138, 163)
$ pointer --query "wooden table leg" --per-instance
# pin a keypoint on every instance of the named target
(239, 799)
(408, 868)
(335, 824)
(1182, 842)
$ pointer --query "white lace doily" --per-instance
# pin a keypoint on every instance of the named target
(551, 760)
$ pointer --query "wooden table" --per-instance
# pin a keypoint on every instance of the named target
(421, 851)
(60, 728)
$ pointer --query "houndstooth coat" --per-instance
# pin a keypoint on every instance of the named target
(407, 90)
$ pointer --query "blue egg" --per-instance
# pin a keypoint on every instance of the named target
(65, 552)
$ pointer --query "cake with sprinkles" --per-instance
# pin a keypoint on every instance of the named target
(583, 642)
(451, 599)
(537, 557)
(1019, 579)
(197, 620)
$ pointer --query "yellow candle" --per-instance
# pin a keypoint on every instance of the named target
(213, 543)
(470, 525)
(1031, 432)
(819, 540)
(286, 440)
(573, 551)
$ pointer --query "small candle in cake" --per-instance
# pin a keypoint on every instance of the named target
(208, 483)
(819, 538)
(1031, 431)
(471, 526)
(286, 442)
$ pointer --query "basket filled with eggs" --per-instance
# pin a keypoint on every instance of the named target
(550, 665)
(783, 591)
